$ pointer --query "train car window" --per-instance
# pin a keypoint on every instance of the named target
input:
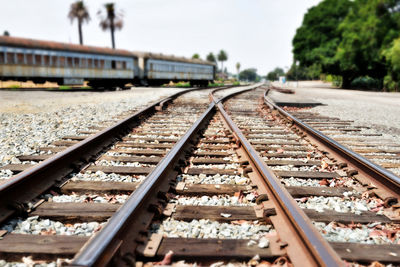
(101, 64)
(84, 63)
(76, 62)
(90, 63)
(62, 61)
(38, 59)
(54, 61)
(118, 65)
(113, 64)
(96, 63)
(151, 66)
(10, 58)
(69, 62)
(2, 58)
(124, 65)
(46, 60)
(20, 58)
(29, 59)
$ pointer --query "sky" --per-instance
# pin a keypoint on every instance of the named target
(256, 33)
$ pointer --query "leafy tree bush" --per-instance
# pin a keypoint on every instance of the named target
(353, 40)
(392, 55)
(249, 75)
(211, 58)
(274, 74)
(366, 83)
(317, 39)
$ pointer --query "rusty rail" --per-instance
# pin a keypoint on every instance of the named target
(14, 193)
(118, 240)
(306, 247)
(381, 177)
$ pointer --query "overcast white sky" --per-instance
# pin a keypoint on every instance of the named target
(256, 33)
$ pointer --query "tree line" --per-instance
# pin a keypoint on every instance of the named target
(357, 43)
(245, 75)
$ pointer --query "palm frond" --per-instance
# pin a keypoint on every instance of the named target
(78, 11)
(110, 19)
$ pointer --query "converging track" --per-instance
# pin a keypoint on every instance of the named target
(237, 181)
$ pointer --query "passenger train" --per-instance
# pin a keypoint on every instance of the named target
(69, 64)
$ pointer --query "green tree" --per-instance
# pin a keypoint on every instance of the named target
(366, 31)
(238, 68)
(274, 74)
(112, 20)
(6, 33)
(249, 75)
(222, 56)
(79, 12)
(196, 56)
(297, 72)
(211, 58)
(392, 55)
(316, 41)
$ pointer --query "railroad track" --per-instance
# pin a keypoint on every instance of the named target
(224, 184)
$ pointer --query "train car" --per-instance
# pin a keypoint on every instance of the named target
(157, 69)
(69, 64)
(40, 61)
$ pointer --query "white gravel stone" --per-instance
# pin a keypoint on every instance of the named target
(106, 177)
(29, 120)
(89, 198)
(219, 200)
(120, 163)
(301, 182)
(152, 136)
(213, 179)
(292, 168)
(359, 234)
(395, 171)
(36, 226)
(5, 174)
(210, 229)
(346, 204)
(230, 166)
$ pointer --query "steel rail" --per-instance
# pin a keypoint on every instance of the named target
(16, 192)
(321, 253)
(217, 100)
(376, 173)
(118, 239)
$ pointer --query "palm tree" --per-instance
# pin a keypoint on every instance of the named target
(238, 68)
(112, 21)
(222, 56)
(211, 57)
(79, 11)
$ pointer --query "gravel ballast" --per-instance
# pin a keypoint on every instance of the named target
(378, 110)
(30, 120)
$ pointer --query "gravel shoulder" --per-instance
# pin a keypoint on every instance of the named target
(379, 110)
(29, 120)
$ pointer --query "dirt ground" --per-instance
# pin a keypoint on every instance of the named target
(380, 110)
(35, 101)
